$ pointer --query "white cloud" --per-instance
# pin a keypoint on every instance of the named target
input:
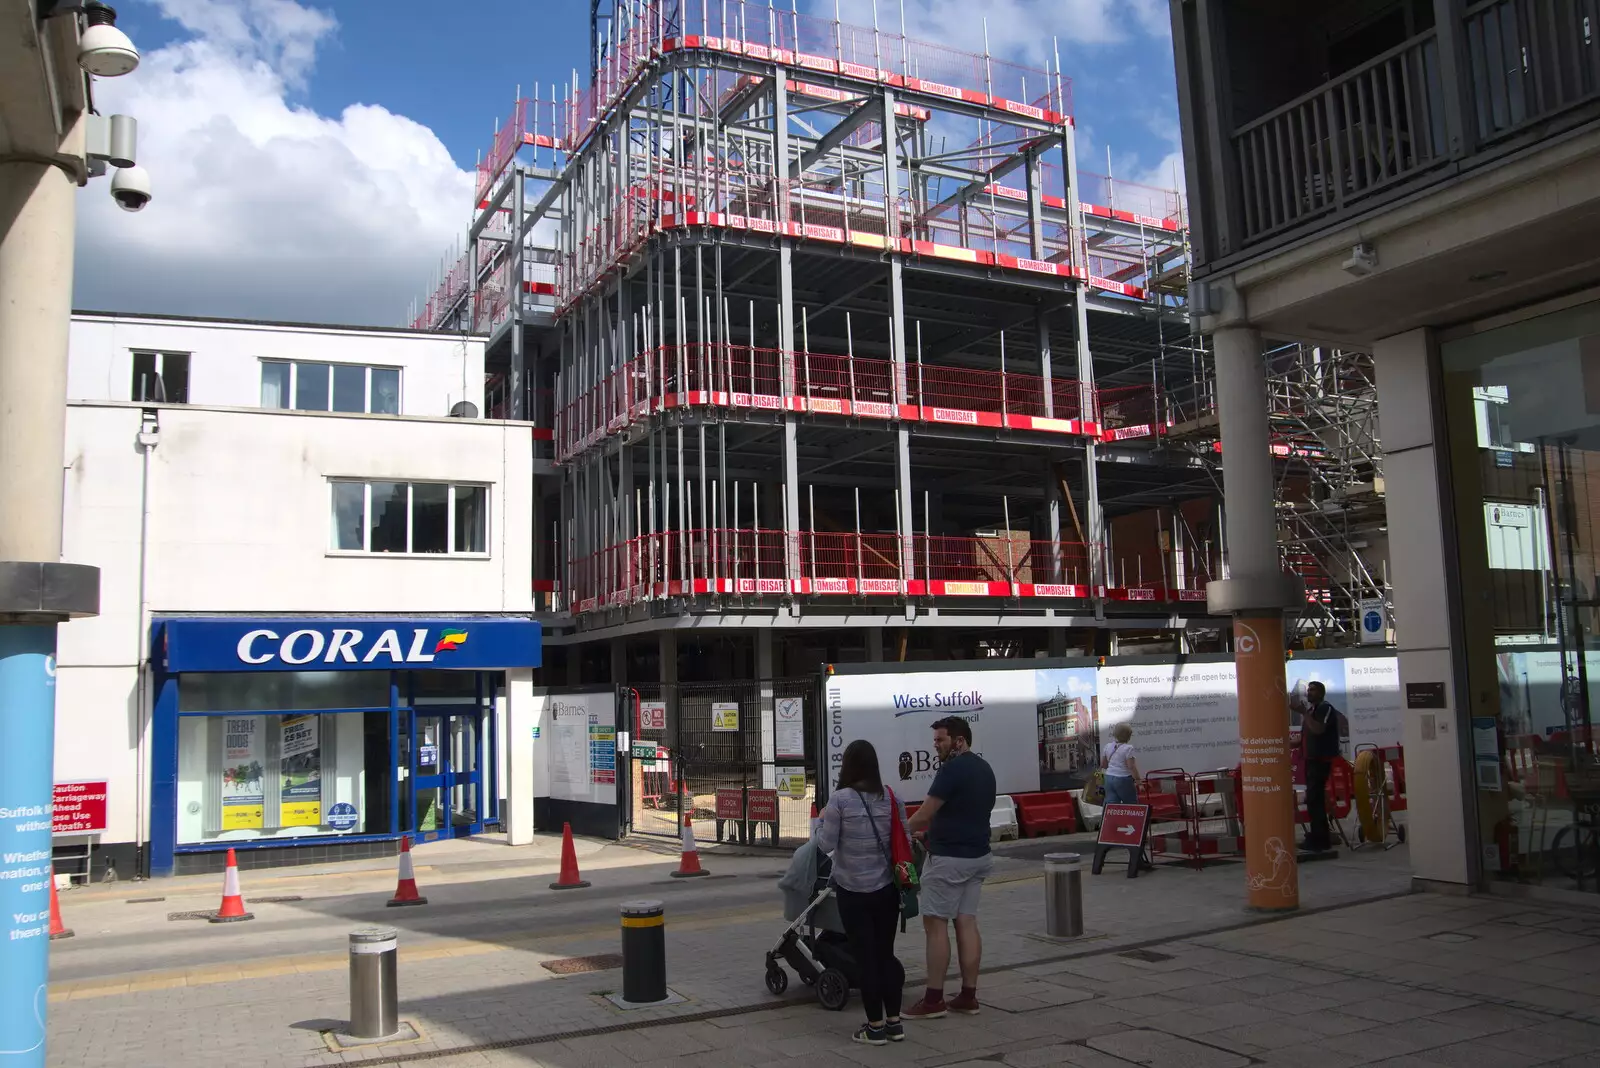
(264, 208)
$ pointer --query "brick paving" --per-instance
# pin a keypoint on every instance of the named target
(1408, 980)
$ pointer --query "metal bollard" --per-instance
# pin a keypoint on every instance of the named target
(644, 952)
(1063, 895)
(374, 997)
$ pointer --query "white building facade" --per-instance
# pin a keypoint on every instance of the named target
(316, 604)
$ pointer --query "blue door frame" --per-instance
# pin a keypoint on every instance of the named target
(449, 766)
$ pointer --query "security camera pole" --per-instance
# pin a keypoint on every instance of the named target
(44, 117)
(1258, 594)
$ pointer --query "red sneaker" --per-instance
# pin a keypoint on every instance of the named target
(926, 1010)
(965, 1004)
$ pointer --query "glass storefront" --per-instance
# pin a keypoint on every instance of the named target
(1523, 410)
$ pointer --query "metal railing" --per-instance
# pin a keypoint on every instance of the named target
(743, 376)
(1371, 128)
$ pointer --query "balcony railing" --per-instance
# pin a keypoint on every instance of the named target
(1387, 124)
(1372, 128)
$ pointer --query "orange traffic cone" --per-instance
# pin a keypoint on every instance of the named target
(689, 864)
(232, 909)
(57, 928)
(570, 879)
(406, 892)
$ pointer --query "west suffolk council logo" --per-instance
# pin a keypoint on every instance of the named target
(450, 640)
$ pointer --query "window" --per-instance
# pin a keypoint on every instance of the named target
(330, 387)
(421, 518)
(161, 376)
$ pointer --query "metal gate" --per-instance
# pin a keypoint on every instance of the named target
(738, 756)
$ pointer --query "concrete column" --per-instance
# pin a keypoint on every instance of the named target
(875, 645)
(524, 754)
(1442, 826)
(669, 656)
(619, 660)
(35, 316)
(1256, 594)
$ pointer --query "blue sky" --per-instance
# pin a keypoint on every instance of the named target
(310, 155)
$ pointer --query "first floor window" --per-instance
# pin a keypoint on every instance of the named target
(161, 377)
(330, 387)
(427, 518)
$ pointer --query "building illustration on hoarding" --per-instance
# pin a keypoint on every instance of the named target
(1068, 727)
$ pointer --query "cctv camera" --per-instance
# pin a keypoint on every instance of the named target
(131, 188)
(103, 49)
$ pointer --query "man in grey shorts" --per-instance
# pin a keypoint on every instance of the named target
(956, 815)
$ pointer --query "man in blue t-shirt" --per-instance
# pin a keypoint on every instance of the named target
(956, 815)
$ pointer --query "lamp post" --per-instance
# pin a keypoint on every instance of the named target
(50, 142)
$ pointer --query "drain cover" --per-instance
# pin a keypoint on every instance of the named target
(1149, 956)
(573, 965)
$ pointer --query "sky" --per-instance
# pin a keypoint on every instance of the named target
(312, 159)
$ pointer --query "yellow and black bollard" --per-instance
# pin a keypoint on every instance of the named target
(644, 952)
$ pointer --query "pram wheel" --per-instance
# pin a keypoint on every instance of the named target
(833, 989)
(777, 979)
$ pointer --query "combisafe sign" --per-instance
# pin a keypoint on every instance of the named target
(345, 644)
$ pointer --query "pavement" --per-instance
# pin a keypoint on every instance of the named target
(1172, 970)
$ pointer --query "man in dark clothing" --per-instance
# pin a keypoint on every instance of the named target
(1321, 729)
(956, 815)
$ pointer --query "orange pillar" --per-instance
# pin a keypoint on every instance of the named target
(1272, 873)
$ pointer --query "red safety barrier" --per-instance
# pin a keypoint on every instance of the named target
(1039, 814)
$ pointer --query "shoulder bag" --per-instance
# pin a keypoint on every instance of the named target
(908, 889)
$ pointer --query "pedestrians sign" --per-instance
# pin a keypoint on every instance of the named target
(1122, 827)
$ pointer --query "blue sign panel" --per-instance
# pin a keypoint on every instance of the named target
(346, 644)
(343, 816)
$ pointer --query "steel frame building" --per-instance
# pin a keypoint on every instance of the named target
(825, 327)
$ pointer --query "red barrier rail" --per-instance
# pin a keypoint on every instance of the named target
(746, 377)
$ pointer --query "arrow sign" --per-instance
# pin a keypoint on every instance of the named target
(1123, 825)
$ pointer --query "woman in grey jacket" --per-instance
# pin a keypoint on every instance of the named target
(855, 828)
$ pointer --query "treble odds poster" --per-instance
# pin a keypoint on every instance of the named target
(243, 797)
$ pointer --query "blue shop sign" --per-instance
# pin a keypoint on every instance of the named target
(346, 644)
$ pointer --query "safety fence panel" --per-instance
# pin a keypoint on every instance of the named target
(737, 757)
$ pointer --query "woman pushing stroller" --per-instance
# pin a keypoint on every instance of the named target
(855, 828)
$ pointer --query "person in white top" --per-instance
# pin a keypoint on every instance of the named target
(1122, 770)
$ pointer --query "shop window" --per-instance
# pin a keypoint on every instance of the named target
(330, 387)
(243, 777)
(419, 518)
(161, 377)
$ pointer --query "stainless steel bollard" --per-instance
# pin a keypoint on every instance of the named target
(1063, 895)
(374, 995)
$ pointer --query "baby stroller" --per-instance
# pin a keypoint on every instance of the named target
(814, 945)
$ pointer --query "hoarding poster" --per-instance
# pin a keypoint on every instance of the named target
(1041, 728)
(582, 740)
(243, 796)
(300, 772)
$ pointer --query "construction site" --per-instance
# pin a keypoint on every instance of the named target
(836, 350)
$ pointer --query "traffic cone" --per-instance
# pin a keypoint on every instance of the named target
(232, 909)
(406, 892)
(57, 928)
(570, 879)
(689, 864)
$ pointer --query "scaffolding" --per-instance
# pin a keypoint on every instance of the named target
(822, 317)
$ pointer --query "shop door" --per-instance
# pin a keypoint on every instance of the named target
(447, 768)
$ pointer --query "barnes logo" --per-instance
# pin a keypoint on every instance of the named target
(907, 704)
